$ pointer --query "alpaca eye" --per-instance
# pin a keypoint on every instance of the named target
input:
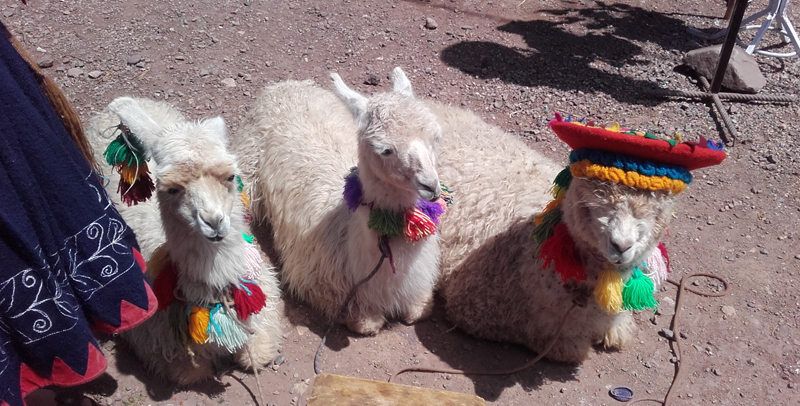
(231, 178)
(387, 152)
(172, 190)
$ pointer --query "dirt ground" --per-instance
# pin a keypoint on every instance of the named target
(514, 63)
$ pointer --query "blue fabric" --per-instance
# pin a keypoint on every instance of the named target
(66, 255)
(629, 163)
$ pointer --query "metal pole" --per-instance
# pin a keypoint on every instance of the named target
(727, 46)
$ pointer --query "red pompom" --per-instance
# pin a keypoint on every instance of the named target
(560, 249)
(248, 298)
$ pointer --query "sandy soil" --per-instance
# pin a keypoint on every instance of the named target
(514, 63)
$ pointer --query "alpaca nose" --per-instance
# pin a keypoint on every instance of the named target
(430, 192)
(214, 221)
(622, 246)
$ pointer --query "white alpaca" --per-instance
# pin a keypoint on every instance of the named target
(197, 218)
(296, 146)
(492, 276)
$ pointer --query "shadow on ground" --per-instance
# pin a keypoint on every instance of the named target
(584, 49)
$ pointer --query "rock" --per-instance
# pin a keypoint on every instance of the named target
(372, 80)
(95, 74)
(431, 24)
(74, 72)
(140, 64)
(717, 372)
(228, 82)
(133, 59)
(668, 334)
(742, 74)
(79, 64)
(728, 310)
(666, 307)
(301, 329)
(204, 72)
(45, 62)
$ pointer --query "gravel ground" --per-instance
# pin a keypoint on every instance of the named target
(514, 63)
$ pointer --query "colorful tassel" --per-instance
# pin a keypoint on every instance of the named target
(352, 190)
(663, 250)
(656, 267)
(248, 298)
(386, 222)
(432, 210)
(560, 249)
(223, 329)
(608, 291)
(418, 225)
(178, 322)
(128, 155)
(561, 182)
(199, 317)
(545, 223)
(637, 294)
(447, 194)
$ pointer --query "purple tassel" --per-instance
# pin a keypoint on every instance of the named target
(352, 190)
(434, 210)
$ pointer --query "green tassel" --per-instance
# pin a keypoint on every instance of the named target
(545, 230)
(178, 322)
(386, 222)
(239, 184)
(223, 329)
(637, 293)
(562, 181)
(249, 238)
(122, 151)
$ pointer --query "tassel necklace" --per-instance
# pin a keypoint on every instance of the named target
(611, 293)
(416, 223)
(208, 322)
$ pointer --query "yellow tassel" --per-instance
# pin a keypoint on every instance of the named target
(608, 292)
(198, 324)
(245, 199)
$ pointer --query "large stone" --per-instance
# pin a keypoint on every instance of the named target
(346, 391)
(742, 74)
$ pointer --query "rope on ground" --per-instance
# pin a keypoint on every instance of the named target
(675, 327)
(502, 372)
(383, 245)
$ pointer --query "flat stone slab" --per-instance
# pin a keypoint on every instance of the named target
(346, 391)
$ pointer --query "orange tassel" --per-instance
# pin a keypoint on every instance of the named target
(198, 324)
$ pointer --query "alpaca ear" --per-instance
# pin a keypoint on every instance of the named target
(400, 83)
(217, 126)
(355, 102)
(137, 120)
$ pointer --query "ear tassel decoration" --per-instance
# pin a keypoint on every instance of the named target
(608, 291)
(248, 298)
(637, 294)
(244, 198)
(128, 156)
(418, 225)
(223, 330)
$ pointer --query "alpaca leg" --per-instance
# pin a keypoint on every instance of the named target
(621, 333)
(363, 322)
(190, 370)
(264, 344)
(420, 310)
(570, 349)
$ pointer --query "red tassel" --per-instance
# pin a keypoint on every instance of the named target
(418, 225)
(560, 249)
(248, 298)
(164, 286)
(663, 250)
(140, 191)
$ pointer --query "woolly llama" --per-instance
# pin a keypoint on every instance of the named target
(335, 173)
(511, 275)
(216, 297)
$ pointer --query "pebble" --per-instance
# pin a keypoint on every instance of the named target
(74, 72)
(797, 256)
(95, 74)
(372, 80)
(229, 82)
(792, 385)
(728, 310)
(717, 372)
(431, 24)
(133, 59)
(667, 333)
(45, 62)
(140, 64)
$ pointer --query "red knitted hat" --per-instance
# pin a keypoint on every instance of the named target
(690, 155)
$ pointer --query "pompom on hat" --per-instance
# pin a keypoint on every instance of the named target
(634, 158)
